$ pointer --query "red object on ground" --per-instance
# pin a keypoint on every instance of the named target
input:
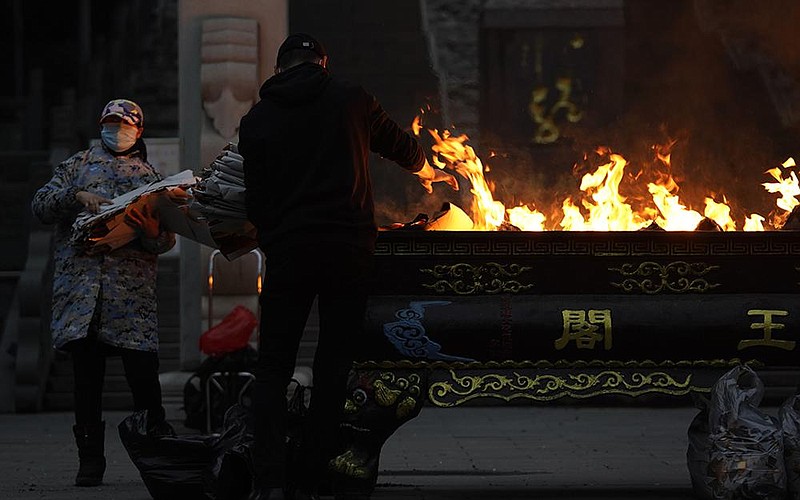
(230, 334)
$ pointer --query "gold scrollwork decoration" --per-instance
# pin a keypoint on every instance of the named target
(468, 279)
(548, 387)
(350, 465)
(677, 277)
(405, 407)
(388, 389)
(384, 395)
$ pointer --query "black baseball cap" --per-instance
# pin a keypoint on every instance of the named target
(301, 41)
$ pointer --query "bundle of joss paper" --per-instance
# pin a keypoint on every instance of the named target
(219, 197)
(208, 209)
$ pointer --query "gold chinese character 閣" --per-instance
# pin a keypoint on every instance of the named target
(583, 327)
(767, 326)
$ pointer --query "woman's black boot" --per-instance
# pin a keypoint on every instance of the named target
(90, 440)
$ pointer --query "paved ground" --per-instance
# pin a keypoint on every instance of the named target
(464, 454)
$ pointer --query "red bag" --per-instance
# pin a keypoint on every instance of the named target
(230, 334)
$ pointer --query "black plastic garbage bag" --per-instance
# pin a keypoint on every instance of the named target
(171, 467)
(232, 470)
(231, 473)
(217, 467)
(746, 445)
(789, 416)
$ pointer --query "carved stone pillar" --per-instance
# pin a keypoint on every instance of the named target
(228, 79)
(226, 50)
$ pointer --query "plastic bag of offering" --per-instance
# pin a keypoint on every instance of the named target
(746, 445)
(789, 417)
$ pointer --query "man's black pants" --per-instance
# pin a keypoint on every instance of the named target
(295, 275)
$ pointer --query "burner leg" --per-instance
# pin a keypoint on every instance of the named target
(379, 402)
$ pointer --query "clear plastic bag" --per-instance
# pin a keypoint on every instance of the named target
(789, 417)
(746, 445)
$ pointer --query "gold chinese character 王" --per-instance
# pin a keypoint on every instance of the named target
(767, 326)
(583, 327)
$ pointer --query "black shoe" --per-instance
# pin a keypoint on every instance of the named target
(90, 471)
(91, 442)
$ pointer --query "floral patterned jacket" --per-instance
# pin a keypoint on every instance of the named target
(121, 283)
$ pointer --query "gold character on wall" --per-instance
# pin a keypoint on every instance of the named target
(584, 328)
(767, 326)
(547, 132)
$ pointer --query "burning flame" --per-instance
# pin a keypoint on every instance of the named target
(607, 208)
(416, 125)
(788, 187)
(720, 213)
(487, 213)
(673, 215)
(754, 223)
(600, 206)
(522, 216)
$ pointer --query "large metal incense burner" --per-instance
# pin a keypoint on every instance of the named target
(499, 317)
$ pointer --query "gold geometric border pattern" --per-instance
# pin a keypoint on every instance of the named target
(652, 277)
(609, 246)
(408, 364)
(466, 279)
(548, 387)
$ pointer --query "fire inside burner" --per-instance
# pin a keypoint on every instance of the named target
(599, 203)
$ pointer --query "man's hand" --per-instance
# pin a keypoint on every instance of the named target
(143, 217)
(91, 201)
(428, 175)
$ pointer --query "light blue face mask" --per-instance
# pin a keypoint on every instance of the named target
(119, 137)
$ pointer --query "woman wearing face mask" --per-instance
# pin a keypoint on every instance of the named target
(106, 304)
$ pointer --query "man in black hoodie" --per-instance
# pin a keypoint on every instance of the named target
(306, 147)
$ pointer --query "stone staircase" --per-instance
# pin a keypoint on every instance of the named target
(22, 173)
(16, 190)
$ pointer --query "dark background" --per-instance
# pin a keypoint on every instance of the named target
(662, 77)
